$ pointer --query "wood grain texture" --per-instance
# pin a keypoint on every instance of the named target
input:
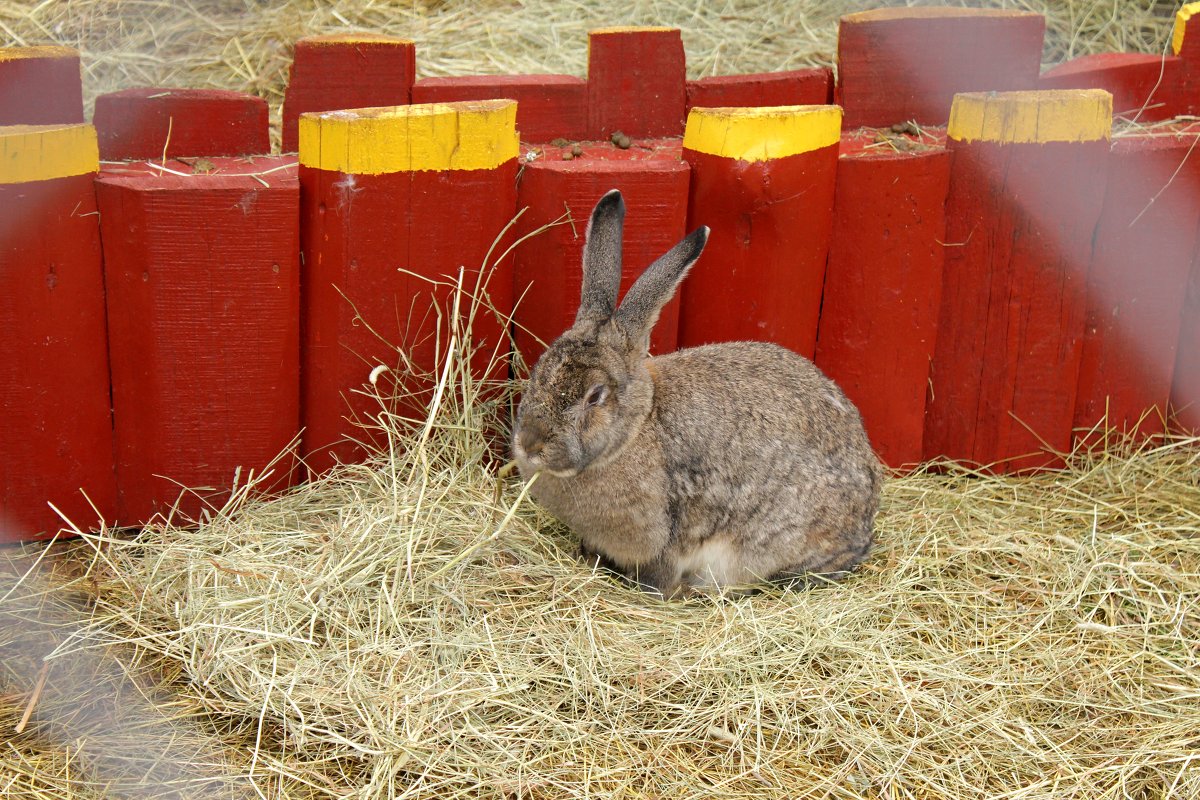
(636, 82)
(350, 71)
(899, 64)
(1137, 282)
(40, 85)
(795, 87)
(144, 123)
(549, 266)
(1019, 224)
(883, 289)
(548, 106)
(203, 285)
(56, 441)
(761, 275)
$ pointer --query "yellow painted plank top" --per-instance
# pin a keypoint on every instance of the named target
(432, 136)
(1181, 20)
(631, 29)
(931, 12)
(761, 134)
(37, 51)
(1032, 117)
(355, 38)
(44, 152)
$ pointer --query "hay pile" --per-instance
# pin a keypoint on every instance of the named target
(413, 628)
(247, 46)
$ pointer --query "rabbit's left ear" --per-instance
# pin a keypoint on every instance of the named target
(655, 287)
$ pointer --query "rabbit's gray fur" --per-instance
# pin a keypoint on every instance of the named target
(722, 465)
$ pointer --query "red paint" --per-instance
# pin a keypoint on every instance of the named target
(761, 274)
(548, 106)
(56, 428)
(1019, 224)
(361, 237)
(883, 290)
(1185, 388)
(1142, 85)
(908, 65)
(44, 89)
(328, 74)
(203, 306)
(549, 266)
(636, 83)
(1187, 89)
(141, 123)
(796, 87)
(1143, 252)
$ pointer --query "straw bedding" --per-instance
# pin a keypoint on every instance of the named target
(415, 627)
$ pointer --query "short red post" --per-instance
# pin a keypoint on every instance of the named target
(636, 82)
(883, 288)
(797, 87)
(1185, 44)
(394, 201)
(346, 71)
(898, 64)
(548, 106)
(763, 181)
(1144, 244)
(1185, 386)
(1026, 187)
(55, 429)
(40, 85)
(152, 122)
(202, 271)
(1144, 86)
(549, 266)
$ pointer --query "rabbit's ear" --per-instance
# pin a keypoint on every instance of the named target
(602, 260)
(654, 287)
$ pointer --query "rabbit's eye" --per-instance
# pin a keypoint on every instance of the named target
(596, 395)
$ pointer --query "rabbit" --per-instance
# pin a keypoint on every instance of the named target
(720, 467)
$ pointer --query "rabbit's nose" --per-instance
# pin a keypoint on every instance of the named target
(532, 438)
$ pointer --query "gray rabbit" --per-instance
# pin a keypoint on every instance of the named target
(716, 466)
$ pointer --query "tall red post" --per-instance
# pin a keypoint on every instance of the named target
(763, 181)
(56, 442)
(637, 80)
(883, 288)
(394, 201)
(203, 310)
(1026, 189)
(40, 85)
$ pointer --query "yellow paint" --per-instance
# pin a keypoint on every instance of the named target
(931, 12)
(435, 136)
(630, 29)
(1181, 20)
(44, 152)
(37, 51)
(354, 38)
(761, 134)
(1063, 115)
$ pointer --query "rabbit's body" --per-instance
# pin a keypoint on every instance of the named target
(728, 464)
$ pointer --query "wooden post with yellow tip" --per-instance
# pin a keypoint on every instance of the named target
(1026, 189)
(56, 444)
(393, 202)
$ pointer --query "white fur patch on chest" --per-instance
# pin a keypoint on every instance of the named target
(715, 563)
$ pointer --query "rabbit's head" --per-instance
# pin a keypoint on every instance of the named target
(590, 391)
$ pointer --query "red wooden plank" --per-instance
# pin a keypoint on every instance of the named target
(1185, 43)
(548, 267)
(1026, 187)
(1143, 85)
(1185, 386)
(796, 87)
(346, 71)
(376, 234)
(898, 64)
(636, 82)
(1141, 260)
(55, 426)
(883, 289)
(202, 273)
(762, 272)
(548, 106)
(40, 85)
(143, 123)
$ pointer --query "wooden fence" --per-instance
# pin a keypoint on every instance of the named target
(965, 245)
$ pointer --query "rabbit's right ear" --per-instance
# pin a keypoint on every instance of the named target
(602, 260)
